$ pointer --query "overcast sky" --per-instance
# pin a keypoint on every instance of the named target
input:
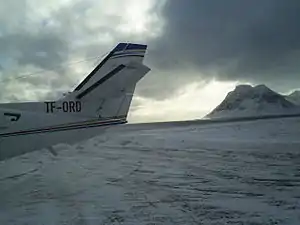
(198, 49)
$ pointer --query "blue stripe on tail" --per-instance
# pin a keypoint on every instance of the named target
(136, 47)
(120, 47)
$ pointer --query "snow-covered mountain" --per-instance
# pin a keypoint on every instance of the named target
(259, 100)
(294, 97)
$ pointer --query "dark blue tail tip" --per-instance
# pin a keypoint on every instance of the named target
(129, 46)
(136, 47)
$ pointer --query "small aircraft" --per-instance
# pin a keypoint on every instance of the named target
(101, 100)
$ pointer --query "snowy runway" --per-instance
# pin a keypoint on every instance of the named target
(238, 173)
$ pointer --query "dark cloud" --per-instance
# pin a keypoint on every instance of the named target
(44, 50)
(254, 41)
(39, 46)
(36, 57)
(39, 41)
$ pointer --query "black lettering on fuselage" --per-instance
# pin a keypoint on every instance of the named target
(50, 106)
(78, 106)
(72, 106)
(65, 106)
(47, 107)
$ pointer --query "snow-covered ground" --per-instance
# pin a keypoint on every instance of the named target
(235, 173)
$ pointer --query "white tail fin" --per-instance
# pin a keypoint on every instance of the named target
(123, 53)
(108, 90)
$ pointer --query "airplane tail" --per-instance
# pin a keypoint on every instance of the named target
(108, 90)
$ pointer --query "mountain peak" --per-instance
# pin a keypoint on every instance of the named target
(246, 89)
(243, 87)
(294, 97)
(246, 100)
(262, 88)
(295, 93)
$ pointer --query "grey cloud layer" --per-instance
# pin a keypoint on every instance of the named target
(48, 37)
(256, 41)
